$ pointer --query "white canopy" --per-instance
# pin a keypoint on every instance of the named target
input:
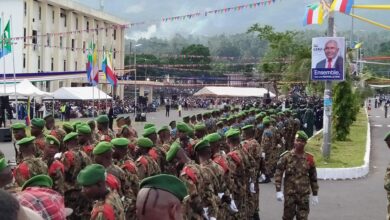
(213, 91)
(24, 88)
(80, 93)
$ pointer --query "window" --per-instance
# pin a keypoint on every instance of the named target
(39, 62)
(48, 40)
(106, 31)
(114, 34)
(77, 23)
(87, 26)
(39, 13)
(60, 41)
(97, 29)
(72, 44)
(83, 46)
(52, 64)
(34, 37)
(60, 84)
(24, 60)
(25, 8)
(64, 20)
(114, 53)
(24, 35)
(75, 65)
(52, 16)
(47, 85)
(64, 65)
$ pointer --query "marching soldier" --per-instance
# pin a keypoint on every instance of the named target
(104, 132)
(146, 165)
(51, 158)
(37, 125)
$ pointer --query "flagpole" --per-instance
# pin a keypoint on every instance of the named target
(98, 72)
(2, 51)
(13, 65)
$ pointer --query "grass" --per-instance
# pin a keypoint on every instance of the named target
(343, 154)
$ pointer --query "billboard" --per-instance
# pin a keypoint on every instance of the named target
(328, 58)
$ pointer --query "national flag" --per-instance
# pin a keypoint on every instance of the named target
(6, 46)
(314, 14)
(104, 63)
(89, 63)
(109, 70)
(95, 68)
(344, 6)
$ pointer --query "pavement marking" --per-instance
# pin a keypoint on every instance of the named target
(378, 126)
(388, 126)
(377, 116)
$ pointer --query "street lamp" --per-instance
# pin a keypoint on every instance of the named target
(135, 79)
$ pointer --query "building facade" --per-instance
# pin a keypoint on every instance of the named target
(54, 36)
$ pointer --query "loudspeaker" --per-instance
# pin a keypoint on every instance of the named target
(4, 102)
(5, 135)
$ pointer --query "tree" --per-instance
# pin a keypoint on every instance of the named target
(198, 54)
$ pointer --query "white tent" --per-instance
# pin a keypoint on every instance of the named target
(213, 91)
(80, 93)
(24, 88)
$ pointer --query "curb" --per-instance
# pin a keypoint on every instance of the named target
(350, 172)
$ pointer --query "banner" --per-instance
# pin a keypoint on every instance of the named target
(327, 58)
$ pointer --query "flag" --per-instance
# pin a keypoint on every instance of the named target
(344, 6)
(109, 70)
(95, 68)
(104, 63)
(6, 47)
(89, 63)
(358, 45)
(314, 14)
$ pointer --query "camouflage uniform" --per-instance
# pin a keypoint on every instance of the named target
(28, 168)
(271, 157)
(58, 133)
(12, 188)
(39, 145)
(191, 175)
(158, 154)
(105, 135)
(56, 172)
(146, 166)
(109, 208)
(290, 132)
(74, 161)
(299, 180)
(128, 196)
(387, 188)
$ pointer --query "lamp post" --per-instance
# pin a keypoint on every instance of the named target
(135, 79)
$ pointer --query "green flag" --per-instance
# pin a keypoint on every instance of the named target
(6, 44)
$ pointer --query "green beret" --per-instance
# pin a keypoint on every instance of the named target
(119, 118)
(84, 129)
(186, 118)
(18, 125)
(145, 143)
(182, 127)
(38, 180)
(25, 141)
(219, 123)
(102, 119)
(266, 121)
(280, 114)
(205, 114)
(200, 126)
(232, 133)
(148, 125)
(120, 142)
(48, 116)
(50, 139)
(76, 125)
(387, 136)
(70, 136)
(91, 174)
(67, 127)
(301, 135)
(163, 128)
(102, 147)
(247, 127)
(232, 117)
(173, 149)
(213, 137)
(38, 122)
(199, 115)
(203, 144)
(149, 131)
(273, 120)
(3, 164)
(258, 116)
(167, 183)
(170, 123)
(91, 122)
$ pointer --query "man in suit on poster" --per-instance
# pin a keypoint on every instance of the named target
(333, 60)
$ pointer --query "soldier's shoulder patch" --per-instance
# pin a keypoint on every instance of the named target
(309, 154)
(309, 158)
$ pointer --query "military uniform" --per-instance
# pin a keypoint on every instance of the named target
(387, 188)
(267, 143)
(300, 178)
(29, 167)
(146, 165)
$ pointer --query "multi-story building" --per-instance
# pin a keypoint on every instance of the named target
(53, 36)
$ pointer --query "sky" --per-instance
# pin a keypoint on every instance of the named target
(282, 14)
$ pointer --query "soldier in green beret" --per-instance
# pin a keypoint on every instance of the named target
(6, 177)
(387, 177)
(199, 118)
(185, 141)
(54, 130)
(94, 134)
(164, 135)
(200, 130)
(30, 165)
(300, 179)
(193, 120)
(74, 160)
(146, 165)
(51, 156)
(133, 131)
(156, 152)
(172, 124)
(270, 155)
(85, 140)
(18, 133)
(104, 132)
(108, 203)
(37, 125)
(161, 197)
(186, 119)
(67, 127)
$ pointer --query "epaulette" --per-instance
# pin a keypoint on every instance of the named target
(310, 158)
(56, 165)
(281, 155)
(190, 173)
(153, 153)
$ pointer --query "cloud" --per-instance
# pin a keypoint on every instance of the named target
(150, 32)
(135, 9)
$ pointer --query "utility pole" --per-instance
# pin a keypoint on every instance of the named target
(327, 139)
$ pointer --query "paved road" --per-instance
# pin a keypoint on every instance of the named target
(362, 199)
